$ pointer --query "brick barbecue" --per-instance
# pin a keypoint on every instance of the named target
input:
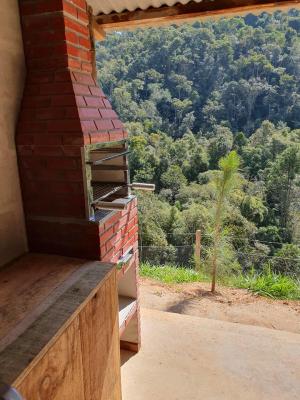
(72, 147)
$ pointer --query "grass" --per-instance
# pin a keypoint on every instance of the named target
(171, 274)
(266, 283)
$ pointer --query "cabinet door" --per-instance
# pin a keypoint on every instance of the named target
(84, 361)
(99, 329)
(58, 375)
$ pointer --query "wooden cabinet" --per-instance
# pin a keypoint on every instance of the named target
(67, 346)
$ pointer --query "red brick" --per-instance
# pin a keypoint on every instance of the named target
(49, 6)
(71, 151)
(33, 24)
(121, 223)
(103, 250)
(126, 229)
(79, 3)
(88, 126)
(42, 77)
(55, 88)
(85, 79)
(111, 221)
(87, 67)
(107, 104)
(81, 89)
(66, 187)
(80, 101)
(116, 257)
(25, 139)
(104, 124)
(131, 243)
(41, 37)
(26, 116)
(106, 235)
(96, 91)
(82, 16)
(54, 63)
(84, 42)
(62, 163)
(52, 52)
(32, 89)
(78, 52)
(69, 8)
(89, 113)
(63, 100)
(32, 162)
(116, 134)
(73, 140)
(48, 150)
(56, 175)
(64, 125)
(62, 76)
(76, 26)
(32, 127)
(99, 137)
(108, 114)
(27, 8)
(36, 101)
(41, 7)
(24, 150)
(117, 124)
(48, 139)
(71, 112)
(50, 113)
(133, 231)
(72, 37)
(74, 64)
(94, 101)
(108, 256)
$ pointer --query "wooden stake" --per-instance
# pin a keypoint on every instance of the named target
(198, 249)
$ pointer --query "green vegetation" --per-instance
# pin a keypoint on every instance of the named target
(171, 274)
(225, 182)
(266, 283)
(192, 94)
(269, 284)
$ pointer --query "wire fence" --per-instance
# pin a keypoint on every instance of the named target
(250, 253)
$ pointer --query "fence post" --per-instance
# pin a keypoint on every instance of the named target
(198, 249)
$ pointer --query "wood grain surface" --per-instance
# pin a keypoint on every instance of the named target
(71, 349)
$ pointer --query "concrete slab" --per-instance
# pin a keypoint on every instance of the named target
(191, 358)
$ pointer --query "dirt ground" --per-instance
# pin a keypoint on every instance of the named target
(227, 304)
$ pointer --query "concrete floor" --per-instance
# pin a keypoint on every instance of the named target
(191, 358)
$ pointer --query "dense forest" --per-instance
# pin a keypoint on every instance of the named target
(190, 94)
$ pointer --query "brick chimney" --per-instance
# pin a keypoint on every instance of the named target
(63, 109)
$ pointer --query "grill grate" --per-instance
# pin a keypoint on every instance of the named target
(103, 190)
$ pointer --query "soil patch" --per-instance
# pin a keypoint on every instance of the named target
(227, 304)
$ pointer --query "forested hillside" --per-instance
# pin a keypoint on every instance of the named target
(191, 94)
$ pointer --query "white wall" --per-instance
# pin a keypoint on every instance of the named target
(12, 73)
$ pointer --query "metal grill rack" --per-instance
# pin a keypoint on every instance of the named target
(107, 178)
(102, 191)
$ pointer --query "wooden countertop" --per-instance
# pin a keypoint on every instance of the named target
(40, 294)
